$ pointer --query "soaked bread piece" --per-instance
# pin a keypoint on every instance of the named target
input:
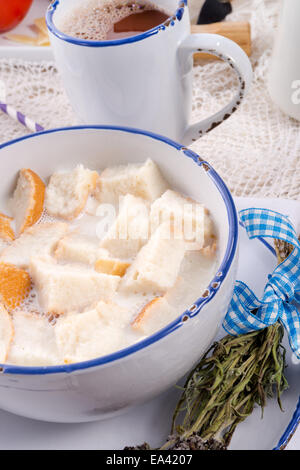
(130, 231)
(189, 218)
(157, 264)
(154, 316)
(142, 180)
(66, 288)
(39, 240)
(15, 285)
(112, 266)
(34, 341)
(77, 248)
(27, 203)
(85, 336)
(67, 193)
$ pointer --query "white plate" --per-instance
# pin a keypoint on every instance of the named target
(151, 422)
(13, 49)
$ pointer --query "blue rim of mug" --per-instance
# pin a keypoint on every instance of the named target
(116, 42)
(195, 309)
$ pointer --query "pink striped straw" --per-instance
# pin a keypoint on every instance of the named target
(21, 118)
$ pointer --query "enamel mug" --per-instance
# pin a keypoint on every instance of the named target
(144, 80)
(284, 76)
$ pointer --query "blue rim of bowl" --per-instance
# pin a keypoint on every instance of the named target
(182, 4)
(194, 310)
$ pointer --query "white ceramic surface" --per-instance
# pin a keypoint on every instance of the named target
(284, 76)
(151, 421)
(143, 81)
(103, 387)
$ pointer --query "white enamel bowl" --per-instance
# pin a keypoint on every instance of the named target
(105, 386)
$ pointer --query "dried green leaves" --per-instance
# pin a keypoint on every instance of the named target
(224, 387)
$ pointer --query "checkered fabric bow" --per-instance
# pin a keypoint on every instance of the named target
(246, 312)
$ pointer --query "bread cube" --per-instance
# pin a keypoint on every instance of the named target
(27, 203)
(154, 316)
(143, 180)
(190, 219)
(156, 266)
(196, 272)
(84, 336)
(6, 333)
(39, 240)
(112, 266)
(113, 314)
(67, 193)
(34, 341)
(130, 231)
(76, 248)
(68, 288)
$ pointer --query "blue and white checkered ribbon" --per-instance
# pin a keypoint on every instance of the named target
(246, 312)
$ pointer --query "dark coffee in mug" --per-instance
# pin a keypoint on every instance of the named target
(98, 20)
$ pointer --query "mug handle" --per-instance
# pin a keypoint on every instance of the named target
(229, 52)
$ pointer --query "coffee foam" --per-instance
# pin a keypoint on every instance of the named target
(96, 18)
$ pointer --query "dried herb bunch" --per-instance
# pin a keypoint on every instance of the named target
(225, 386)
(234, 375)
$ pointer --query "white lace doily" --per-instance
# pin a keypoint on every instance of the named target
(255, 151)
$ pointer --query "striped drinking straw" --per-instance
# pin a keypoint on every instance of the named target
(20, 117)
